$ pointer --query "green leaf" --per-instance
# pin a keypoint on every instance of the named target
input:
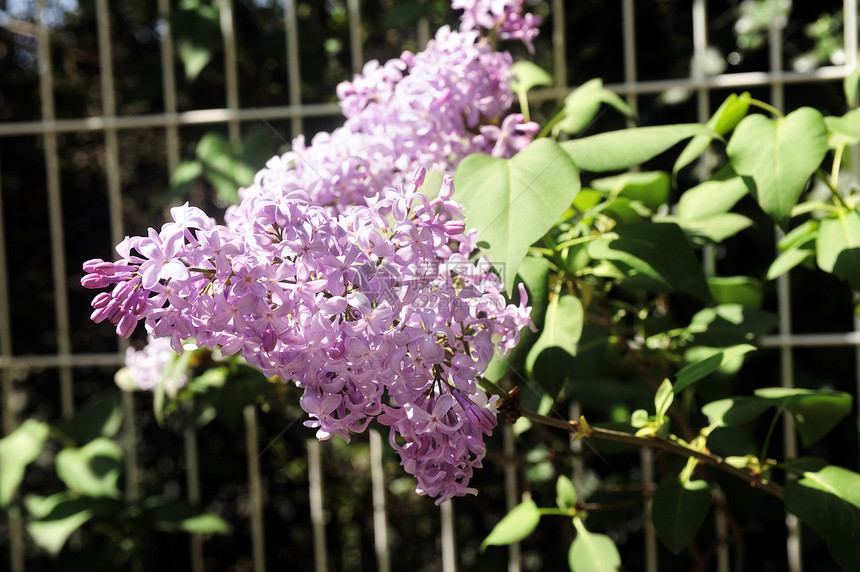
(629, 147)
(528, 75)
(724, 119)
(711, 198)
(592, 552)
(837, 247)
(182, 180)
(565, 493)
(816, 412)
(55, 518)
(844, 130)
(730, 324)
(198, 36)
(780, 155)
(222, 168)
(734, 411)
(743, 290)
(795, 255)
(101, 416)
(514, 202)
(17, 450)
(515, 526)
(92, 470)
(651, 188)
(716, 228)
(562, 328)
(829, 501)
(180, 515)
(678, 510)
(691, 373)
(583, 103)
(659, 251)
(663, 399)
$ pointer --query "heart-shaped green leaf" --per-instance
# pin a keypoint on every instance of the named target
(583, 103)
(628, 147)
(829, 501)
(55, 518)
(514, 202)
(17, 450)
(565, 493)
(92, 470)
(816, 412)
(592, 552)
(693, 372)
(678, 510)
(780, 155)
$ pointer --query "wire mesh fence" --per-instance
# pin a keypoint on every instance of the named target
(58, 364)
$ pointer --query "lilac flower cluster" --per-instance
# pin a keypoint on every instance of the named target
(375, 312)
(146, 366)
(432, 108)
(504, 17)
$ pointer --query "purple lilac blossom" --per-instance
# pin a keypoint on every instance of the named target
(504, 17)
(146, 365)
(375, 313)
(431, 108)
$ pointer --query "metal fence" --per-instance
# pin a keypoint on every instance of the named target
(15, 368)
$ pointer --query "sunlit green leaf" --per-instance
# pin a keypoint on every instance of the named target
(565, 493)
(743, 290)
(724, 119)
(837, 247)
(711, 198)
(92, 470)
(734, 411)
(54, 519)
(651, 188)
(828, 500)
(180, 515)
(663, 399)
(693, 372)
(515, 526)
(780, 155)
(592, 552)
(583, 103)
(514, 202)
(17, 450)
(628, 147)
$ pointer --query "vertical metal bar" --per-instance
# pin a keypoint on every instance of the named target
(628, 16)
(849, 9)
(230, 75)
(7, 390)
(355, 44)
(192, 481)
(777, 95)
(449, 539)
(511, 492)
(115, 215)
(380, 525)
(722, 529)
(703, 100)
(646, 461)
(423, 32)
(55, 215)
(559, 43)
(316, 500)
(168, 79)
(255, 488)
(294, 75)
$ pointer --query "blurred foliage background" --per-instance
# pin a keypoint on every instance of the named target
(603, 380)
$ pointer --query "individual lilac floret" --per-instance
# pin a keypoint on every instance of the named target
(375, 313)
(146, 366)
(504, 17)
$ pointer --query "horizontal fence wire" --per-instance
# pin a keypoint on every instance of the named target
(16, 367)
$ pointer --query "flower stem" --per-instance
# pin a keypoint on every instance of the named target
(592, 432)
